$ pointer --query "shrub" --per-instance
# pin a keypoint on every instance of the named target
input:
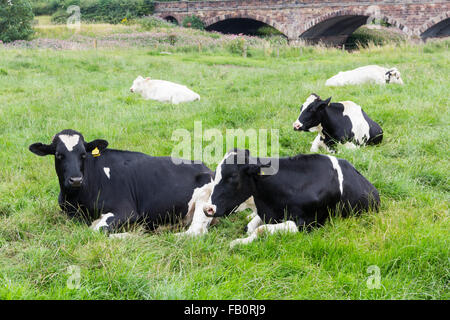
(45, 7)
(193, 22)
(16, 17)
(151, 22)
(110, 11)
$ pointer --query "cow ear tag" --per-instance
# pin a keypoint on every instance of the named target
(96, 152)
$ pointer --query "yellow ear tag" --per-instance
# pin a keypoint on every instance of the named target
(262, 173)
(96, 152)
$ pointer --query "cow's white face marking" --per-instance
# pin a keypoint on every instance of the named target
(360, 127)
(70, 141)
(107, 172)
(338, 169)
(308, 101)
(97, 224)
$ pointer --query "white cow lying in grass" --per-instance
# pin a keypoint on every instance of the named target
(200, 222)
(368, 74)
(163, 91)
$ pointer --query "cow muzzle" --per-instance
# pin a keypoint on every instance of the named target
(75, 182)
(209, 210)
(131, 89)
(297, 125)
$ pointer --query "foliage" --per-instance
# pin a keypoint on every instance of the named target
(193, 22)
(15, 20)
(111, 11)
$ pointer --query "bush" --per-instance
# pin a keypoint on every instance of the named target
(45, 7)
(16, 17)
(193, 22)
(110, 11)
(151, 22)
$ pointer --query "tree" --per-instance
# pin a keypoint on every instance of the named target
(16, 17)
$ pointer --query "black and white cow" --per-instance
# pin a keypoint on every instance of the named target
(343, 122)
(304, 191)
(123, 186)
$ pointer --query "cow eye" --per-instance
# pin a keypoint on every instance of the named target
(83, 156)
(59, 156)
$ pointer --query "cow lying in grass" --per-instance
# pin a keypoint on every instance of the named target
(367, 74)
(342, 122)
(120, 187)
(304, 191)
(163, 91)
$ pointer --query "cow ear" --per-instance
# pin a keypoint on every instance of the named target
(42, 149)
(99, 143)
(324, 103)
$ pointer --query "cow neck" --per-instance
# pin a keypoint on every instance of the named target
(325, 115)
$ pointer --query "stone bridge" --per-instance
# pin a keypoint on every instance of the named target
(330, 21)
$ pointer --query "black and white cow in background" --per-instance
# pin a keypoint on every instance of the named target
(120, 186)
(342, 122)
(304, 191)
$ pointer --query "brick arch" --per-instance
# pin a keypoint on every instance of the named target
(168, 17)
(433, 21)
(353, 12)
(237, 15)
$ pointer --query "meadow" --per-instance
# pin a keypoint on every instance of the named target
(43, 91)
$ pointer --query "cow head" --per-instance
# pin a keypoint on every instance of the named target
(393, 76)
(70, 151)
(139, 84)
(233, 182)
(310, 113)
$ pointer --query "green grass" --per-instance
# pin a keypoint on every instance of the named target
(45, 91)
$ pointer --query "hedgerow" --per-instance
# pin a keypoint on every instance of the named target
(110, 11)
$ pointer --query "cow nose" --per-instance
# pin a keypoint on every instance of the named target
(209, 210)
(297, 125)
(75, 181)
(131, 89)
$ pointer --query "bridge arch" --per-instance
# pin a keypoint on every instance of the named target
(209, 23)
(171, 19)
(436, 26)
(336, 26)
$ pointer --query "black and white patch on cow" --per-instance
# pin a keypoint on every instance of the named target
(342, 122)
(119, 187)
(305, 190)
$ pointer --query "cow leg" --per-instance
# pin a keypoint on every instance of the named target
(200, 222)
(350, 146)
(288, 227)
(110, 222)
(253, 224)
(102, 222)
(320, 143)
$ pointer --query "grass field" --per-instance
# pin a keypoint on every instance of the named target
(45, 91)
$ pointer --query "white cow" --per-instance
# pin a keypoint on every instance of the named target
(368, 74)
(200, 222)
(163, 91)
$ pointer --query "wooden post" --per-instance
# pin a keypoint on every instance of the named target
(95, 43)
